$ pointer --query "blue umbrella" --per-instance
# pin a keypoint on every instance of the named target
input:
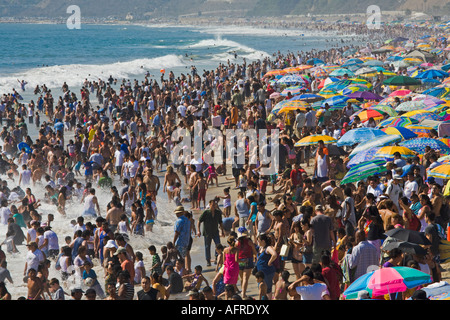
(291, 79)
(446, 67)
(362, 156)
(315, 61)
(432, 74)
(336, 100)
(308, 97)
(394, 58)
(359, 135)
(419, 145)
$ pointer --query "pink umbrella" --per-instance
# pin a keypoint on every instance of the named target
(426, 65)
(275, 95)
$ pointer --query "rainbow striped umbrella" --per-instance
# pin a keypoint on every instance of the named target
(442, 172)
(365, 115)
(397, 122)
(320, 73)
(293, 90)
(314, 139)
(388, 152)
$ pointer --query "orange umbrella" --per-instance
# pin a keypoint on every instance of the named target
(297, 68)
(276, 72)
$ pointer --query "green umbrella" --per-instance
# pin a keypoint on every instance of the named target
(364, 170)
(402, 81)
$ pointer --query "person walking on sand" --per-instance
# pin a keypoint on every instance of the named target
(212, 220)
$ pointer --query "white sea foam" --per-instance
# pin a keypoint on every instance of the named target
(74, 74)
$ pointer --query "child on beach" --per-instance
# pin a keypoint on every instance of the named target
(212, 174)
(195, 279)
(262, 286)
(202, 186)
(226, 202)
(172, 256)
(90, 279)
(156, 260)
(123, 226)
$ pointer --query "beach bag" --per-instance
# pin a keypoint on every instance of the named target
(284, 251)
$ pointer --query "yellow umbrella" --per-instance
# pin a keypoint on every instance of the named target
(291, 108)
(388, 152)
(314, 139)
(442, 172)
(412, 113)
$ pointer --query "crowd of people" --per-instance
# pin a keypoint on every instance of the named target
(117, 136)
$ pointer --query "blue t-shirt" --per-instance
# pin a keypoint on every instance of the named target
(183, 226)
(88, 168)
(90, 274)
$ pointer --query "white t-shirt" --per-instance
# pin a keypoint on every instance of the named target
(313, 292)
(5, 213)
(34, 259)
(119, 155)
(26, 177)
(409, 187)
(52, 239)
(137, 271)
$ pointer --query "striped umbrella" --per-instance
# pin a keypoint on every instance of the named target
(405, 133)
(314, 139)
(364, 170)
(397, 122)
(419, 145)
(386, 140)
(442, 172)
(438, 92)
(388, 152)
(421, 131)
(366, 114)
(359, 135)
(320, 73)
(336, 100)
(362, 156)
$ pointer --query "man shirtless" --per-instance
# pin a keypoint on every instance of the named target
(113, 216)
(152, 182)
(35, 286)
(169, 182)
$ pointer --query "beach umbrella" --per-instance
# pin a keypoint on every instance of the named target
(288, 105)
(336, 100)
(341, 72)
(446, 67)
(365, 115)
(320, 73)
(388, 152)
(365, 95)
(315, 61)
(394, 58)
(409, 236)
(362, 156)
(421, 131)
(291, 79)
(359, 135)
(275, 95)
(426, 116)
(384, 109)
(314, 139)
(373, 62)
(386, 281)
(404, 246)
(293, 90)
(405, 133)
(400, 64)
(363, 170)
(432, 74)
(400, 93)
(297, 68)
(438, 92)
(397, 122)
(364, 70)
(410, 106)
(276, 72)
(441, 172)
(402, 81)
(307, 97)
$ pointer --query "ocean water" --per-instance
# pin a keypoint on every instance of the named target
(52, 54)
